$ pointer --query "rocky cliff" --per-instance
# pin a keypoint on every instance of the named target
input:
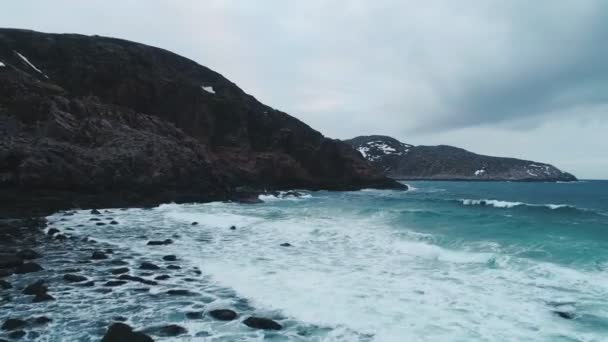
(86, 118)
(403, 161)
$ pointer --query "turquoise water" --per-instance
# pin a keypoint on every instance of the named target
(446, 261)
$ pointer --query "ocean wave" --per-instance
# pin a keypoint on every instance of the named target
(284, 195)
(507, 204)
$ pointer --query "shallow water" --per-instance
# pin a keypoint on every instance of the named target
(444, 262)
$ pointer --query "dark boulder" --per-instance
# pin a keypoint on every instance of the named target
(170, 258)
(118, 262)
(113, 283)
(100, 224)
(119, 318)
(98, 255)
(95, 212)
(113, 222)
(42, 320)
(28, 267)
(38, 287)
(162, 277)
(180, 293)
(262, 323)
(194, 223)
(74, 278)
(174, 267)
(5, 285)
(120, 332)
(52, 231)
(13, 324)
(285, 244)
(42, 297)
(28, 254)
(170, 330)
(94, 219)
(223, 314)
(16, 334)
(137, 279)
(10, 261)
(88, 284)
(60, 237)
(160, 243)
(148, 266)
(232, 227)
(119, 270)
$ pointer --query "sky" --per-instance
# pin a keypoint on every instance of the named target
(524, 79)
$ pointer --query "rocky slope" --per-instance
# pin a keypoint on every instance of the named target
(94, 120)
(402, 161)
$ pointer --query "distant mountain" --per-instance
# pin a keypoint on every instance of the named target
(403, 161)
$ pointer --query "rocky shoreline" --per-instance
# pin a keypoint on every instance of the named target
(44, 262)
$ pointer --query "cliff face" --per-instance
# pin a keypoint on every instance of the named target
(87, 115)
(402, 161)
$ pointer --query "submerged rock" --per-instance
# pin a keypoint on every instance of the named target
(120, 332)
(113, 283)
(148, 266)
(74, 278)
(565, 314)
(194, 315)
(95, 212)
(38, 287)
(52, 231)
(285, 244)
(137, 279)
(262, 323)
(223, 314)
(10, 261)
(98, 255)
(174, 267)
(42, 320)
(13, 324)
(170, 330)
(28, 267)
(43, 297)
(180, 293)
(5, 285)
(120, 270)
(170, 258)
(163, 277)
(16, 334)
(160, 243)
(28, 254)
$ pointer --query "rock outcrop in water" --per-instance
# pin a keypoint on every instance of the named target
(89, 120)
(403, 161)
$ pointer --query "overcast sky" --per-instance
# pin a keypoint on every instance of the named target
(526, 79)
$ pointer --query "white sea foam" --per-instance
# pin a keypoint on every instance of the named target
(508, 204)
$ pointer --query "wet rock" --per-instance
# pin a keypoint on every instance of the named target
(137, 279)
(99, 255)
(118, 262)
(95, 219)
(13, 324)
(565, 314)
(146, 274)
(197, 272)
(194, 315)
(113, 222)
(174, 267)
(120, 270)
(88, 284)
(16, 334)
(74, 278)
(179, 293)
(163, 277)
(160, 243)
(285, 244)
(232, 227)
(148, 266)
(194, 223)
(60, 237)
(113, 283)
(109, 251)
(119, 319)
(42, 320)
(170, 258)
(72, 270)
(10, 261)
(52, 231)
(44, 297)
(28, 254)
(120, 332)
(28, 267)
(170, 330)
(262, 323)
(5, 285)
(38, 287)
(100, 224)
(95, 212)
(223, 314)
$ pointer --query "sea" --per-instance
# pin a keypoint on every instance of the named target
(444, 261)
